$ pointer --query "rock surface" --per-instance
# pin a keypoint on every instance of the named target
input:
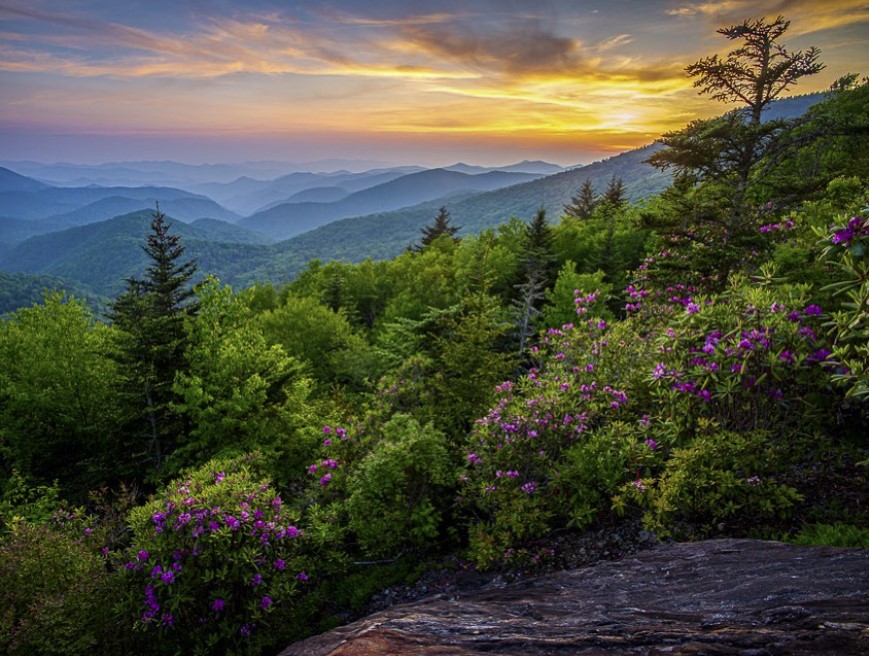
(744, 597)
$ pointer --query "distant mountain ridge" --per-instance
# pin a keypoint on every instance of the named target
(289, 219)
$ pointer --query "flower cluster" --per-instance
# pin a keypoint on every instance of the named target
(847, 235)
(328, 465)
(215, 552)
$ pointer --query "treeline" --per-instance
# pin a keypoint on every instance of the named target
(219, 471)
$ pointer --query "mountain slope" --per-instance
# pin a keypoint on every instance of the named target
(290, 219)
(12, 181)
(51, 201)
(102, 255)
(186, 208)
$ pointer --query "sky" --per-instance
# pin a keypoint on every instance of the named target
(487, 82)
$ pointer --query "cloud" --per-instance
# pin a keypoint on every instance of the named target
(806, 16)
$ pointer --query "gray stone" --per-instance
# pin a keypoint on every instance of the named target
(720, 597)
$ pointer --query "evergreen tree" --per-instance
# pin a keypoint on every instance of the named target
(615, 192)
(439, 227)
(150, 342)
(582, 204)
(538, 252)
(754, 75)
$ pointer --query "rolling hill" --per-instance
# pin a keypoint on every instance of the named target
(102, 255)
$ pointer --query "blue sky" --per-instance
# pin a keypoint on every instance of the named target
(489, 82)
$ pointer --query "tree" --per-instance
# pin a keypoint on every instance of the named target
(57, 397)
(150, 341)
(582, 204)
(438, 228)
(615, 193)
(723, 154)
(759, 71)
(754, 74)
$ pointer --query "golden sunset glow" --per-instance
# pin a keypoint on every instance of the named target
(588, 74)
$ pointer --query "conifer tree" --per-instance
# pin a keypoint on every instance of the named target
(615, 192)
(582, 204)
(150, 342)
(439, 227)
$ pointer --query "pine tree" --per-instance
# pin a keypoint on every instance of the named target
(582, 205)
(538, 253)
(150, 342)
(615, 192)
(439, 227)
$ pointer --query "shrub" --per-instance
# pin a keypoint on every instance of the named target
(212, 557)
(559, 441)
(720, 480)
(389, 491)
(833, 535)
(53, 590)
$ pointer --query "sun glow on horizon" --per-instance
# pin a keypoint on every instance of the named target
(589, 78)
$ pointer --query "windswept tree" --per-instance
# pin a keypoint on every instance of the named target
(150, 341)
(583, 203)
(438, 228)
(715, 160)
(753, 75)
(756, 73)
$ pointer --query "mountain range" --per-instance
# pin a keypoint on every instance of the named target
(246, 229)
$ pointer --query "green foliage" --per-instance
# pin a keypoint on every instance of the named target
(560, 305)
(58, 404)
(53, 590)
(833, 535)
(847, 248)
(721, 478)
(237, 393)
(212, 558)
(395, 494)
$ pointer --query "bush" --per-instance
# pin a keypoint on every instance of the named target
(723, 480)
(833, 535)
(388, 488)
(53, 590)
(211, 559)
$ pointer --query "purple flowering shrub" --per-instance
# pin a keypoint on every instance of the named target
(740, 394)
(754, 357)
(211, 559)
(559, 442)
(846, 248)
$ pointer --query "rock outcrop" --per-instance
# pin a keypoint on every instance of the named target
(719, 597)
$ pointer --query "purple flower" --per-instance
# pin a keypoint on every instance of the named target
(843, 237)
(168, 577)
(256, 580)
(812, 310)
(302, 576)
(692, 308)
(142, 555)
(529, 488)
(651, 444)
(217, 605)
(280, 565)
(265, 602)
(245, 629)
(324, 480)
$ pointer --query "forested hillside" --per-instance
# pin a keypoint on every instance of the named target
(224, 470)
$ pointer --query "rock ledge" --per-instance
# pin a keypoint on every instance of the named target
(745, 597)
